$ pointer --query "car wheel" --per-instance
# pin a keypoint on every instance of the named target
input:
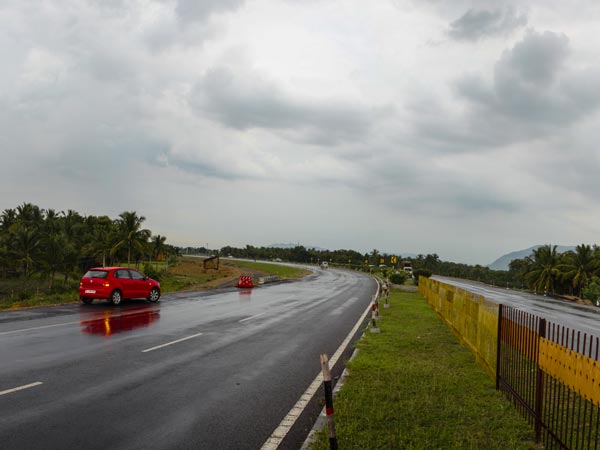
(115, 297)
(154, 295)
(87, 300)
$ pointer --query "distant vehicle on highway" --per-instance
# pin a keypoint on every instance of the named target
(324, 265)
(116, 284)
(407, 267)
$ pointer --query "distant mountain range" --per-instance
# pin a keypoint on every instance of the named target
(503, 262)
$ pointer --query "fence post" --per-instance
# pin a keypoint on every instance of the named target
(498, 345)
(328, 401)
(539, 382)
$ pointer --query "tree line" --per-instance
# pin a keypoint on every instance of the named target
(569, 273)
(299, 254)
(545, 271)
(51, 244)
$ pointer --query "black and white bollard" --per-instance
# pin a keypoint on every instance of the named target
(328, 401)
(386, 291)
(374, 327)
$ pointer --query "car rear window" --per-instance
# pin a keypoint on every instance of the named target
(96, 274)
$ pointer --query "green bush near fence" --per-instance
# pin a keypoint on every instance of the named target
(398, 278)
(413, 386)
(421, 273)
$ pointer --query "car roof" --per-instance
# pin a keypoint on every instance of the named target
(109, 269)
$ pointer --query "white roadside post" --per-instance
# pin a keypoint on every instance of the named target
(374, 318)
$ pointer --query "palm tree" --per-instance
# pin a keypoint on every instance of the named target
(131, 234)
(374, 257)
(30, 214)
(544, 270)
(26, 242)
(7, 219)
(158, 245)
(52, 221)
(103, 235)
(518, 268)
(431, 262)
(73, 228)
(580, 267)
(55, 250)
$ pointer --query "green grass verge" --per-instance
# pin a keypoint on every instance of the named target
(188, 273)
(35, 300)
(24, 293)
(415, 387)
(170, 282)
(284, 272)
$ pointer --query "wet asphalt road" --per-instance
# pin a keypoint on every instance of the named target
(237, 362)
(576, 317)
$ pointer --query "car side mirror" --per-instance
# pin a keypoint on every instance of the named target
(145, 277)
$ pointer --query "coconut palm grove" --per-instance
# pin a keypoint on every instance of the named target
(51, 249)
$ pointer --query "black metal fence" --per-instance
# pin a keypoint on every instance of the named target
(562, 416)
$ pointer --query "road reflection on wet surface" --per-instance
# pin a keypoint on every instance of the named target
(109, 323)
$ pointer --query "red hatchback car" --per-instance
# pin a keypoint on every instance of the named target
(116, 284)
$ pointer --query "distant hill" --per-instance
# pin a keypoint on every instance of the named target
(503, 262)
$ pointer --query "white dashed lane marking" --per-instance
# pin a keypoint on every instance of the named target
(20, 388)
(171, 343)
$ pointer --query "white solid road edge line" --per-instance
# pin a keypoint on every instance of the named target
(171, 343)
(272, 443)
(20, 388)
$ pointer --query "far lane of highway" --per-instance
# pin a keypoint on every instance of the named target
(575, 316)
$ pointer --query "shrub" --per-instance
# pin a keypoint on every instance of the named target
(592, 291)
(152, 272)
(24, 295)
(421, 272)
(398, 278)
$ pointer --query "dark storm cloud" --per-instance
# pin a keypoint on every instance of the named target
(201, 165)
(532, 86)
(477, 24)
(248, 101)
(536, 59)
(454, 199)
(200, 10)
(533, 93)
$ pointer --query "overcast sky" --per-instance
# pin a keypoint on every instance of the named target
(465, 128)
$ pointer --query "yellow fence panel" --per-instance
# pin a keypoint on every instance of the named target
(472, 318)
(578, 372)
